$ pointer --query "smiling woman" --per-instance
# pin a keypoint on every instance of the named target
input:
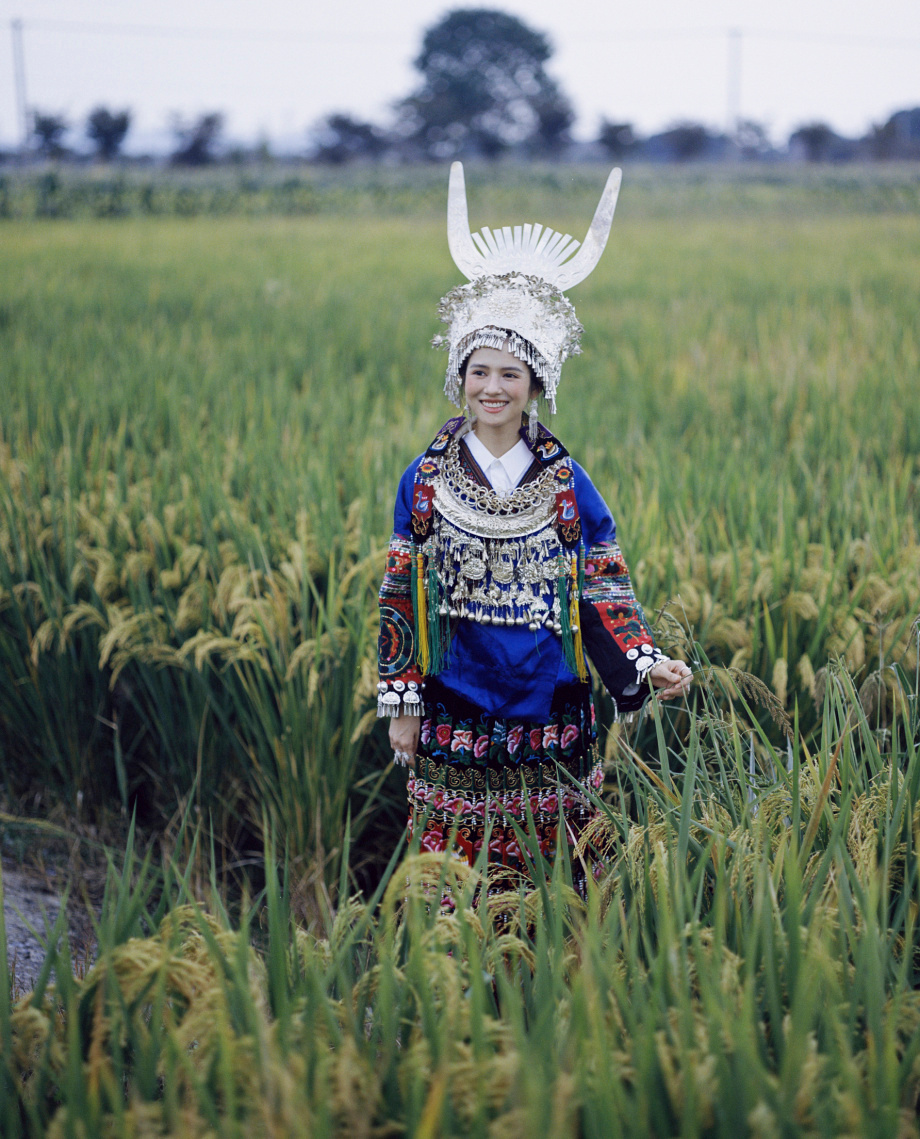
(498, 387)
(504, 572)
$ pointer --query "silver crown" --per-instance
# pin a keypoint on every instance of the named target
(517, 274)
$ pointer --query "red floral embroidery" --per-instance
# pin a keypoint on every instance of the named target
(462, 741)
(442, 734)
(433, 839)
(514, 739)
(570, 733)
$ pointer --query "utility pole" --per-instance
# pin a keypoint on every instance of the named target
(733, 100)
(19, 78)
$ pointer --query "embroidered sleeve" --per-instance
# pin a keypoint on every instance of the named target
(399, 689)
(614, 629)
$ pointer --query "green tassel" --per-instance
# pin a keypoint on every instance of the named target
(438, 623)
(568, 639)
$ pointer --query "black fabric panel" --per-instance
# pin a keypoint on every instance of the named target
(615, 671)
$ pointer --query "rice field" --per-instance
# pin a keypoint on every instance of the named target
(203, 420)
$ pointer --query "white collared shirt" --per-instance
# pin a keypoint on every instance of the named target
(503, 473)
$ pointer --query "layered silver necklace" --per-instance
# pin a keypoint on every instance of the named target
(497, 556)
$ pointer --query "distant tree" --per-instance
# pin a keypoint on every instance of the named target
(617, 139)
(48, 129)
(197, 141)
(751, 139)
(484, 89)
(815, 140)
(107, 129)
(554, 120)
(339, 138)
(898, 138)
(686, 140)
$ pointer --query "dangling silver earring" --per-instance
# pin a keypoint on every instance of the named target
(533, 423)
(468, 413)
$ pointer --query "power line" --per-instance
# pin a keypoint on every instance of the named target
(331, 35)
(286, 35)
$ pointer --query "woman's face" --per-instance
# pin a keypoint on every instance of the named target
(497, 386)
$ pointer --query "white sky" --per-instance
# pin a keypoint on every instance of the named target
(275, 66)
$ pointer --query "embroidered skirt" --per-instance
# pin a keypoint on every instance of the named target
(476, 775)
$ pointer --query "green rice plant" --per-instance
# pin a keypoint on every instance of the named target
(58, 192)
(205, 420)
(745, 965)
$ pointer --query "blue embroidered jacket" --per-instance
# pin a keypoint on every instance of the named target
(512, 671)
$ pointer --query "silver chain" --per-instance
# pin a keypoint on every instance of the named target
(484, 498)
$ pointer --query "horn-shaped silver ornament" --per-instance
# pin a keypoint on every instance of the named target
(529, 249)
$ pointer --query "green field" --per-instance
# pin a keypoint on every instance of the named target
(203, 420)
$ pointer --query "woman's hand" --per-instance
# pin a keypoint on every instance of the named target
(404, 733)
(671, 677)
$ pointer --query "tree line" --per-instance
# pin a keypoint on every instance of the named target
(484, 92)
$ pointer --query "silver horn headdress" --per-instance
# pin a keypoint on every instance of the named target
(516, 279)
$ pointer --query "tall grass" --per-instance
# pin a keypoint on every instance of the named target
(204, 422)
(745, 965)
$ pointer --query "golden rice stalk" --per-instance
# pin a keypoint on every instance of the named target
(205, 645)
(129, 630)
(669, 631)
(31, 590)
(876, 595)
(801, 604)
(729, 635)
(37, 1039)
(47, 638)
(194, 606)
(423, 872)
(806, 674)
(847, 639)
(364, 726)
(354, 1090)
(138, 564)
(763, 588)
(689, 598)
(264, 616)
(752, 687)
(232, 584)
(868, 817)
(682, 1067)
(152, 533)
(366, 685)
(482, 1083)
(780, 679)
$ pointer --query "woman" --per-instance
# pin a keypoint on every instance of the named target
(504, 570)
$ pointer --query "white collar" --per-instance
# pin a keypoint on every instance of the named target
(516, 461)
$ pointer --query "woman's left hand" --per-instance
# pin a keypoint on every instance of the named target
(671, 677)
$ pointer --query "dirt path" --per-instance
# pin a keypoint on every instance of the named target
(29, 899)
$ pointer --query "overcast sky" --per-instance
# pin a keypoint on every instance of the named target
(276, 66)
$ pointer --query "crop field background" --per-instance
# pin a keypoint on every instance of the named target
(204, 411)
